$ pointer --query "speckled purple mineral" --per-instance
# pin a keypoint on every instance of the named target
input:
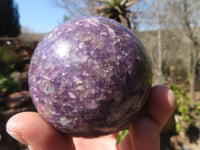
(90, 76)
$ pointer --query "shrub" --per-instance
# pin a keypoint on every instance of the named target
(122, 135)
(8, 60)
(9, 85)
(186, 111)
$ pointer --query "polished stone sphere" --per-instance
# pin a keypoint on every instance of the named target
(90, 76)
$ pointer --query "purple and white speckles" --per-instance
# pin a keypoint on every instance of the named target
(88, 77)
(93, 21)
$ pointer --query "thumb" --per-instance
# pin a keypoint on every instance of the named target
(30, 129)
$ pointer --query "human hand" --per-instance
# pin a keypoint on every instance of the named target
(30, 129)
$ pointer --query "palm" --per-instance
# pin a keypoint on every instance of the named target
(32, 130)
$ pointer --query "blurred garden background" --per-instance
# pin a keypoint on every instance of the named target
(169, 29)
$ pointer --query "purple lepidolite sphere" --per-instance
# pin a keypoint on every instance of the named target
(90, 76)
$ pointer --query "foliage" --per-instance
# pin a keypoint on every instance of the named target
(197, 109)
(122, 135)
(11, 61)
(9, 24)
(185, 110)
(8, 85)
(8, 60)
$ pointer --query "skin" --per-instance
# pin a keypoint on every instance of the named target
(30, 129)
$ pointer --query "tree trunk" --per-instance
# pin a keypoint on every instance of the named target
(192, 77)
(192, 83)
(159, 75)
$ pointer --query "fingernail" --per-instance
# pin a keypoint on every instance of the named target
(18, 137)
(171, 98)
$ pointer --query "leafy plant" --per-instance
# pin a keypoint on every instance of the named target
(8, 85)
(197, 109)
(184, 109)
(8, 60)
(122, 135)
(117, 10)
